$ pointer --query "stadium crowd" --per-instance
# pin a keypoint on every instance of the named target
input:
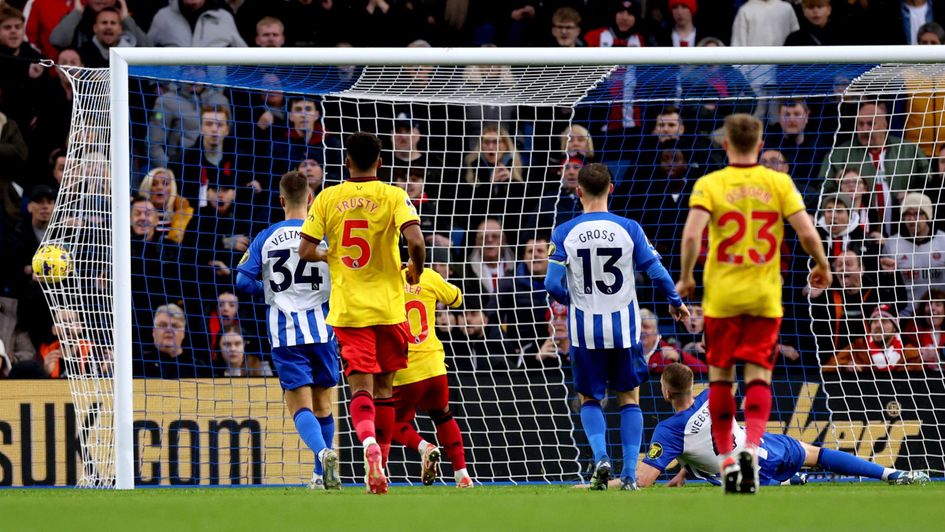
(489, 186)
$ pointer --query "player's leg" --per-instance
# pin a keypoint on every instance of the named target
(323, 359)
(299, 402)
(296, 376)
(436, 402)
(590, 382)
(631, 435)
(757, 348)
(405, 409)
(847, 464)
(391, 349)
(721, 341)
(359, 353)
(627, 372)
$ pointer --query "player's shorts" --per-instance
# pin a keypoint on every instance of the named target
(779, 458)
(428, 395)
(307, 364)
(751, 339)
(596, 370)
(374, 349)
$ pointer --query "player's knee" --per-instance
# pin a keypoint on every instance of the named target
(587, 400)
(441, 416)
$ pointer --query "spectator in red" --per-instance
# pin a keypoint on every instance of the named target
(659, 352)
(75, 29)
(683, 33)
(43, 18)
(195, 23)
(225, 317)
(625, 30)
(880, 350)
(926, 330)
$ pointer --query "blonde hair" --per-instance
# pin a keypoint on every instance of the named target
(743, 133)
(576, 130)
(171, 185)
(505, 146)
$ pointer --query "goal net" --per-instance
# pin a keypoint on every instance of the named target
(489, 155)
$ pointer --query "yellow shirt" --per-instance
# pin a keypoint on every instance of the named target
(361, 219)
(426, 356)
(743, 269)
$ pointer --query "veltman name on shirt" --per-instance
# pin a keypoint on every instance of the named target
(597, 234)
(749, 191)
(285, 236)
(356, 203)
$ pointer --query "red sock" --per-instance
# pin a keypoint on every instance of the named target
(384, 419)
(722, 411)
(757, 410)
(451, 439)
(362, 415)
(406, 435)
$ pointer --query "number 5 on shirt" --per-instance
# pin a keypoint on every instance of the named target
(348, 240)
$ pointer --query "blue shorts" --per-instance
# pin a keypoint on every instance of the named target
(307, 364)
(785, 457)
(595, 370)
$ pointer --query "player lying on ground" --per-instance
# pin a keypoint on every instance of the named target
(423, 385)
(744, 206)
(687, 437)
(593, 263)
(362, 220)
(303, 346)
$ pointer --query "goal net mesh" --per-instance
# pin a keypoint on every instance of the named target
(489, 155)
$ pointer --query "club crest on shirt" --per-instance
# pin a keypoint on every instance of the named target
(656, 451)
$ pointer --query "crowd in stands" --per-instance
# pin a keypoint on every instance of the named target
(489, 182)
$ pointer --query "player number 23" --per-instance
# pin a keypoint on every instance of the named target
(348, 240)
(767, 218)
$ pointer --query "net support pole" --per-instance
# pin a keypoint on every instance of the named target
(121, 289)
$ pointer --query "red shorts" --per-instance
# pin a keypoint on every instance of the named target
(375, 349)
(743, 339)
(429, 395)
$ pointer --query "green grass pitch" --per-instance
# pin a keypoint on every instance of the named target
(819, 506)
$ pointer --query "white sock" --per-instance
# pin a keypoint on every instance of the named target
(887, 471)
(423, 446)
(369, 441)
(460, 474)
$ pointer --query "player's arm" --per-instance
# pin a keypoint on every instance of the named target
(416, 250)
(556, 282)
(248, 270)
(647, 475)
(556, 277)
(695, 226)
(820, 276)
(313, 233)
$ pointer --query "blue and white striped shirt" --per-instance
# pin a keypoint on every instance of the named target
(296, 291)
(601, 252)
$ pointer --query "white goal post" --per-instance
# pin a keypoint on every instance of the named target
(121, 171)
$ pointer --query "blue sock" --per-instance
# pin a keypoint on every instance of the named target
(328, 434)
(631, 436)
(310, 432)
(592, 417)
(848, 464)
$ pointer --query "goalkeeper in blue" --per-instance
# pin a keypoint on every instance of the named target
(303, 346)
(592, 266)
(687, 437)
